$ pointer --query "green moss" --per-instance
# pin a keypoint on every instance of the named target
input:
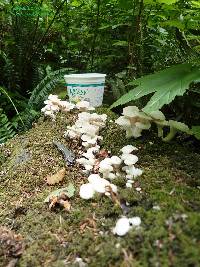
(167, 237)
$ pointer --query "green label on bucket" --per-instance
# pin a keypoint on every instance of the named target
(85, 85)
(76, 91)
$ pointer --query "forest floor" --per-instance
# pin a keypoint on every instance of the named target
(169, 205)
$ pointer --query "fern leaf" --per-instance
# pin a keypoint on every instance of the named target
(7, 130)
(45, 87)
(165, 84)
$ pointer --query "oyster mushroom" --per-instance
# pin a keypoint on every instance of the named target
(122, 227)
(128, 149)
(86, 191)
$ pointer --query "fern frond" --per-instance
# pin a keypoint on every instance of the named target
(45, 87)
(7, 130)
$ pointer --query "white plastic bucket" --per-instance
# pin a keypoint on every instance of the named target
(86, 86)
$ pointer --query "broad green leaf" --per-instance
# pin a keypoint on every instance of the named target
(167, 84)
(176, 87)
(196, 131)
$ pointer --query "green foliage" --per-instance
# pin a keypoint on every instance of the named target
(45, 87)
(118, 87)
(196, 131)
(165, 84)
(7, 129)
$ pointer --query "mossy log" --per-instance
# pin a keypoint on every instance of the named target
(169, 204)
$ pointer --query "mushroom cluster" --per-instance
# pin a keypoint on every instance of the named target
(102, 172)
(53, 105)
(135, 121)
(108, 169)
(87, 128)
(96, 184)
(129, 161)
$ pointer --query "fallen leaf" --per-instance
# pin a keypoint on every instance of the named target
(66, 204)
(56, 178)
(68, 191)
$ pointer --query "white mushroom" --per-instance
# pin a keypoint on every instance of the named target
(105, 166)
(86, 191)
(84, 105)
(99, 184)
(128, 185)
(135, 221)
(66, 106)
(111, 176)
(116, 161)
(132, 171)
(131, 111)
(122, 227)
(129, 159)
(128, 149)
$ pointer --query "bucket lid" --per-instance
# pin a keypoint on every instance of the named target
(85, 78)
(85, 75)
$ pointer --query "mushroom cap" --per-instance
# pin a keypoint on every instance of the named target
(128, 185)
(128, 149)
(53, 97)
(90, 130)
(115, 160)
(98, 117)
(84, 105)
(135, 221)
(122, 227)
(130, 111)
(86, 191)
(179, 126)
(88, 167)
(111, 176)
(157, 115)
(130, 159)
(93, 177)
(123, 121)
(82, 161)
(105, 167)
(84, 116)
(99, 184)
(89, 139)
(132, 171)
(93, 149)
(67, 106)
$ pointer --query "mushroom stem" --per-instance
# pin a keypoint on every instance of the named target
(170, 135)
(160, 130)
